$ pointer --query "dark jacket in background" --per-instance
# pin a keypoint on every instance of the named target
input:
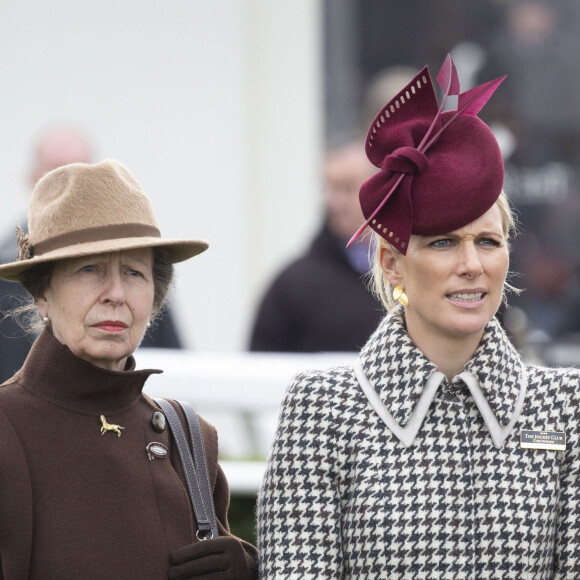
(318, 303)
(14, 343)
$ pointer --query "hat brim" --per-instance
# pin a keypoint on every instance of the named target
(180, 250)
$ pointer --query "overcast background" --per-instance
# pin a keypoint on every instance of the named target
(214, 106)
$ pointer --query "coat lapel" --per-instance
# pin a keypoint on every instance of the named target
(395, 367)
(400, 382)
(498, 369)
(497, 379)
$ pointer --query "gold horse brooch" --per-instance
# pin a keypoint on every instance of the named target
(109, 427)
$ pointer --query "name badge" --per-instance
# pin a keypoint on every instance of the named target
(555, 440)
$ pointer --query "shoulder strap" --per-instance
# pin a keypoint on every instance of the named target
(195, 471)
(200, 459)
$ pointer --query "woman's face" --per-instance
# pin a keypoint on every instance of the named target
(454, 282)
(99, 305)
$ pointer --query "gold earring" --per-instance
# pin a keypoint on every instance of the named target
(399, 295)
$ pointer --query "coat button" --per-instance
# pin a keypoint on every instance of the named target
(158, 421)
(450, 394)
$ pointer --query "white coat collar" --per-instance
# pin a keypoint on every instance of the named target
(401, 382)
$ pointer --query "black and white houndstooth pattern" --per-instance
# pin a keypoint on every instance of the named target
(343, 498)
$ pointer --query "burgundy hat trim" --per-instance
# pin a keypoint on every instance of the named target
(399, 143)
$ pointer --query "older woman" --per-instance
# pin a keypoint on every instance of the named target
(91, 485)
(439, 454)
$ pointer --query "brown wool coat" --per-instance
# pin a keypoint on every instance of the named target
(75, 503)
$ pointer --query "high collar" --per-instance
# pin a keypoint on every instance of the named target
(52, 372)
(398, 373)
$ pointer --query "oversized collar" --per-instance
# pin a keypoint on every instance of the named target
(401, 382)
(52, 372)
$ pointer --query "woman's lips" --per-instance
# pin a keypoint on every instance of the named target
(467, 298)
(111, 326)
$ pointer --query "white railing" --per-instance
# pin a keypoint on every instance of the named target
(239, 393)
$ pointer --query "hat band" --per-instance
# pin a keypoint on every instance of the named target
(98, 234)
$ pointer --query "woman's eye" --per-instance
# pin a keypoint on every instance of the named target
(88, 268)
(132, 272)
(442, 243)
(490, 242)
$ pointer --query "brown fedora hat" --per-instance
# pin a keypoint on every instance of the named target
(82, 209)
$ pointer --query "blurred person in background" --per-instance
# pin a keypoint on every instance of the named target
(320, 302)
(92, 484)
(58, 146)
(537, 44)
(439, 454)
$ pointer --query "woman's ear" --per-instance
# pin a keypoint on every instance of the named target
(42, 305)
(390, 264)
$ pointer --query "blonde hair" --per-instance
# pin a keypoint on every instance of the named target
(382, 288)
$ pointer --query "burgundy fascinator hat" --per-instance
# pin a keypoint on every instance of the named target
(439, 171)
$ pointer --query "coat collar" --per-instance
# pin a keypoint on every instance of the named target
(51, 371)
(404, 382)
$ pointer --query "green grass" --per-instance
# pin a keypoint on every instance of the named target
(242, 517)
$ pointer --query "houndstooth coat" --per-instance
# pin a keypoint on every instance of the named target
(445, 491)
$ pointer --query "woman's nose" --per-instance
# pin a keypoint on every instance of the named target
(114, 289)
(470, 265)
